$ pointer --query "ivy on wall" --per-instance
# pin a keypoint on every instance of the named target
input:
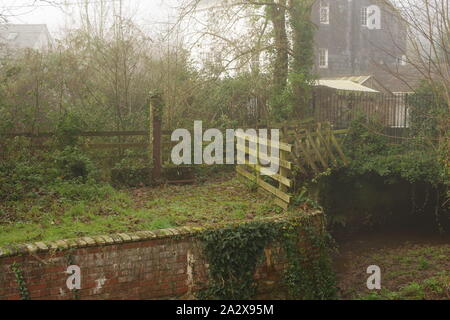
(23, 290)
(234, 252)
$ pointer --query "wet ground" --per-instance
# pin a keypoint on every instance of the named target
(413, 265)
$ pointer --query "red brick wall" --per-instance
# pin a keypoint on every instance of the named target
(143, 265)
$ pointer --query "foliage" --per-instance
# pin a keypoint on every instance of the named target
(73, 190)
(385, 184)
(20, 179)
(24, 176)
(301, 76)
(69, 126)
(72, 163)
(309, 273)
(428, 109)
(23, 290)
(371, 152)
(303, 197)
(227, 103)
(234, 252)
(293, 98)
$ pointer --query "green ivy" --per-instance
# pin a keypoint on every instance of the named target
(309, 273)
(20, 281)
(234, 252)
(371, 152)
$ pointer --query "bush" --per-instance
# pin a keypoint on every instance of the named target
(385, 184)
(73, 164)
(22, 177)
(67, 130)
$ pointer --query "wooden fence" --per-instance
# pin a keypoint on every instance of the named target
(317, 148)
(277, 184)
(312, 148)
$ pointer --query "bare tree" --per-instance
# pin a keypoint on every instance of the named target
(428, 41)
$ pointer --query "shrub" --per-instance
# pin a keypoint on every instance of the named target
(73, 164)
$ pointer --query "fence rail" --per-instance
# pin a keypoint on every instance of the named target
(392, 111)
(277, 184)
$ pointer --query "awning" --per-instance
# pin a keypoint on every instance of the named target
(346, 85)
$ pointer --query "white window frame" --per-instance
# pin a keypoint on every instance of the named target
(12, 36)
(324, 11)
(323, 58)
(364, 17)
(402, 60)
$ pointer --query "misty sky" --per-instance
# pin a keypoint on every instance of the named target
(145, 12)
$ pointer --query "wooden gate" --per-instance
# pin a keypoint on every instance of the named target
(317, 148)
(277, 184)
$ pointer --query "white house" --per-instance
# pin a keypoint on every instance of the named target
(24, 36)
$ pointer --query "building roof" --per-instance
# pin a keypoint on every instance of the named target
(404, 79)
(346, 85)
(358, 79)
(23, 36)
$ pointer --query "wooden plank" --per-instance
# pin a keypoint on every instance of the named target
(282, 146)
(342, 131)
(327, 147)
(112, 133)
(287, 182)
(306, 155)
(283, 196)
(284, 173)
(283, 163)
(114, 145)
(264, 185)
(318, 153)
(281, 203)
(86, 134)
(245, 173)
(339, 150)
(299, 163)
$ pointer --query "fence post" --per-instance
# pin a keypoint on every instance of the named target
(156, 110)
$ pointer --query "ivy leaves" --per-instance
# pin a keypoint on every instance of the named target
(234, 252)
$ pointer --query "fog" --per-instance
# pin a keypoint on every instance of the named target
(64, 14)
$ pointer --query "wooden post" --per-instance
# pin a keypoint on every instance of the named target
(156, 110)
(283, 171)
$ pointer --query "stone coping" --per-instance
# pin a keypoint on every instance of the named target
(116, 238)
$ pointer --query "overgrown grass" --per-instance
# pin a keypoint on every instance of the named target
(418, 270)
(71, 209)
(437, 287)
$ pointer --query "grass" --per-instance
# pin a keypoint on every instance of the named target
(74, 210)
(437, 287)
(410, 270)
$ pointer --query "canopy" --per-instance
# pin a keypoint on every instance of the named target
(344, 85)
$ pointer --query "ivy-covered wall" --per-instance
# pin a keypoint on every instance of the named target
(265, 259)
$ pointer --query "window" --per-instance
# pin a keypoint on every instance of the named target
(323, 58)
(12, 36)
(364, 17)
(324, 13)
(402, 60)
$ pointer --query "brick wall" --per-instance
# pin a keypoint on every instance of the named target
(144, 265)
